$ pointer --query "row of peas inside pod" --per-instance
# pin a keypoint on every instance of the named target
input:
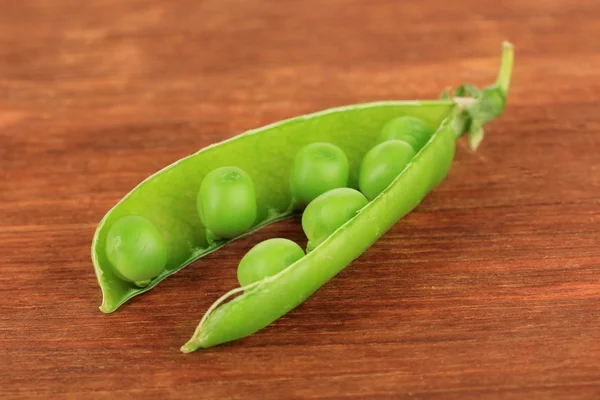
(227, 205)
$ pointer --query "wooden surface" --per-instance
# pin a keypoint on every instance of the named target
(490, 289)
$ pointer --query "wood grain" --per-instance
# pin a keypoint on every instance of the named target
(490, 289)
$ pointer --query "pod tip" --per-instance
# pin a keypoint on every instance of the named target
(188, 347)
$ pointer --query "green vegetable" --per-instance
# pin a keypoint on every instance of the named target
(317, 168)
(227, 202)
(136, 249)
(325, 214)
(268, 258)
(381, 166)
(264, 301)
(411, 130)
(168, 199)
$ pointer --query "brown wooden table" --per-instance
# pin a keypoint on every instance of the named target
(489, 289)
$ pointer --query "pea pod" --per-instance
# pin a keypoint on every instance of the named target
(167, 199)
(262, 302)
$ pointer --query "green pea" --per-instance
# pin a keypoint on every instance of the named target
(381, 165)
(226, 202)
(318, 168)
(412, 130)
(325, 214)
(136, 249)
(266, 259)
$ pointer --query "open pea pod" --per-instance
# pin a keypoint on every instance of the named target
(354, 129)
(168, 198)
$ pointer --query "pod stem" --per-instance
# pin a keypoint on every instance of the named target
(476, 107)
(503, 80)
